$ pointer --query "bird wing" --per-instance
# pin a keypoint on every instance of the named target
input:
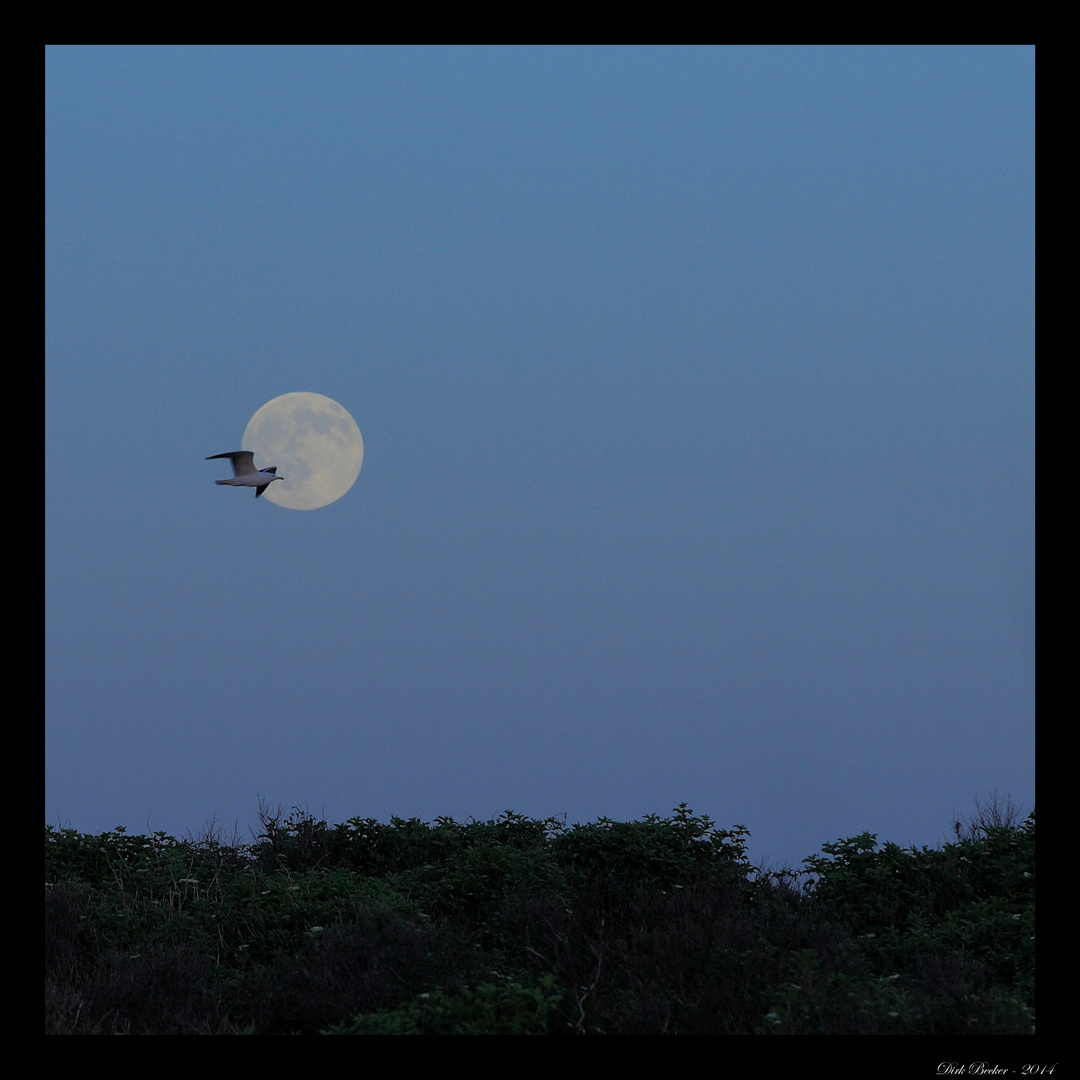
(243, 461)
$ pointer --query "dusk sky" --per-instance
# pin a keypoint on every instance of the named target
(697, 395)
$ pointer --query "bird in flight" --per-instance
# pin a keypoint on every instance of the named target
(244, 472)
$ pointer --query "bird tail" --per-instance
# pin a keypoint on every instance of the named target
(219, 482)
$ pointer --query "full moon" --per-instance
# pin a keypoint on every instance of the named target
(315, 445)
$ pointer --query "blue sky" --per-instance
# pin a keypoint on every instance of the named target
(697, 395)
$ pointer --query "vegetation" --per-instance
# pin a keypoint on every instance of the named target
(519, 926)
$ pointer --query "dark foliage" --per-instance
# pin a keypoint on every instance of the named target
(519, 926)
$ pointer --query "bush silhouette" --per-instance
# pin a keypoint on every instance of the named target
(525, 926)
